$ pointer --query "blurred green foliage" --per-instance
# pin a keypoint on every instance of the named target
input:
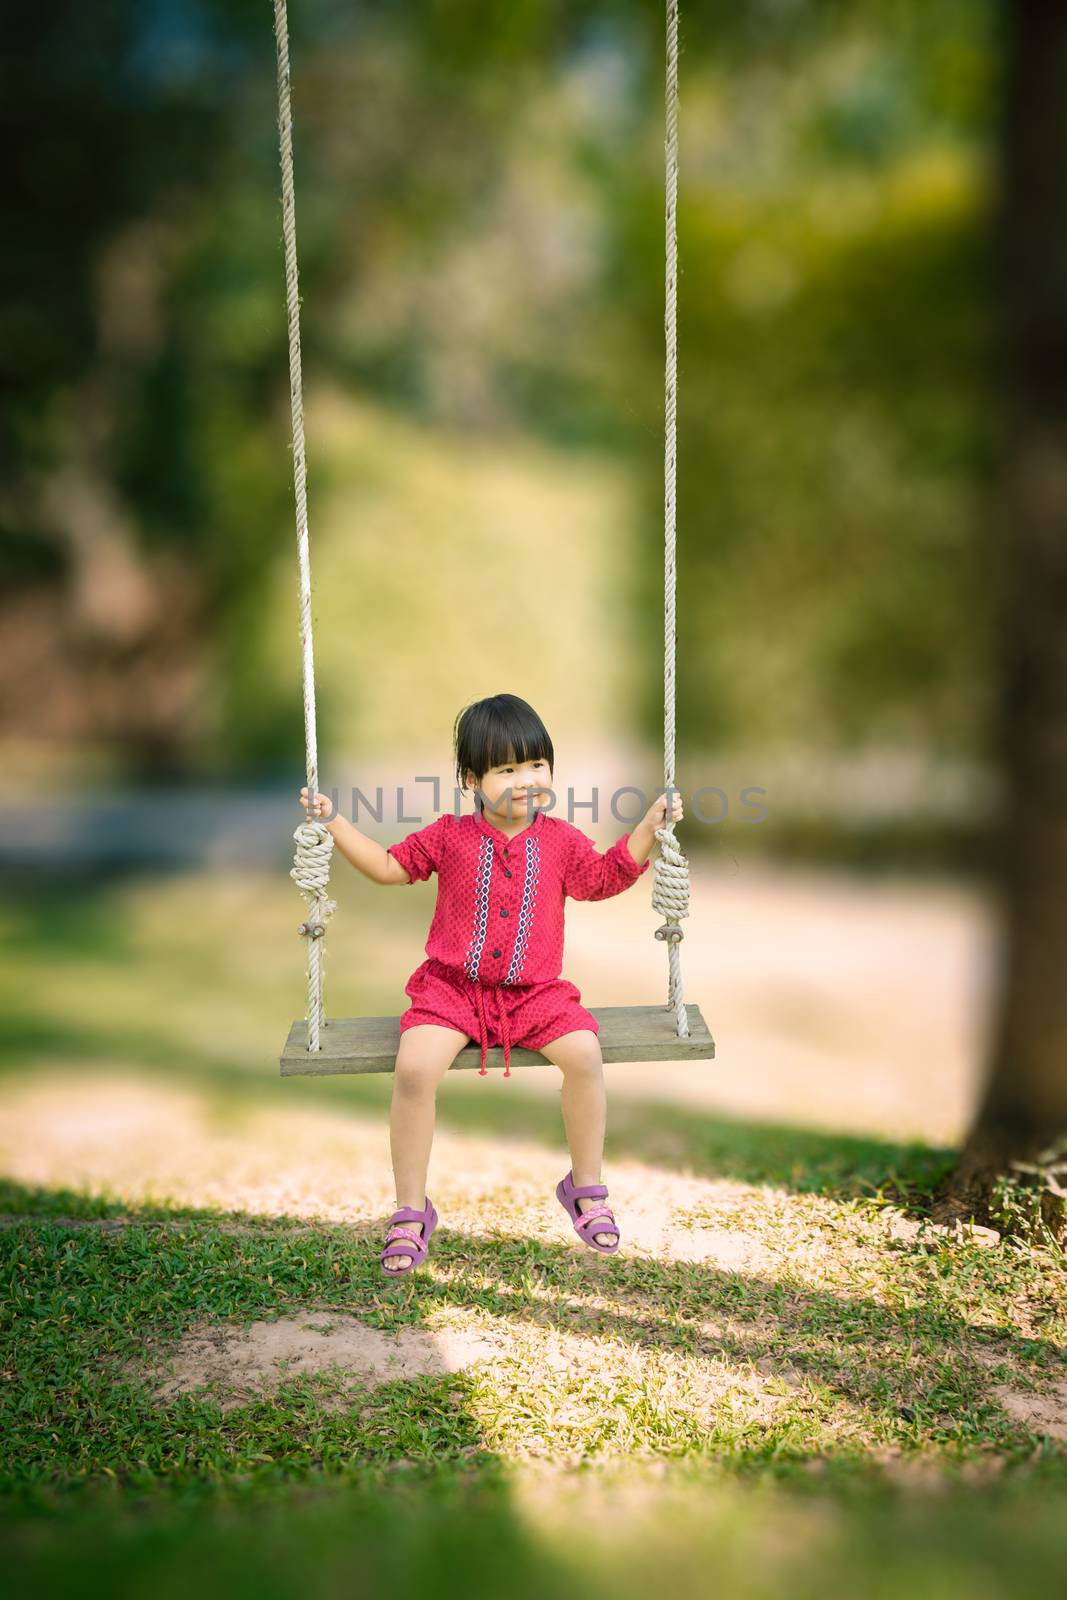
(480, 217)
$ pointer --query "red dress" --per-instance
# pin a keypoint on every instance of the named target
(496, 939)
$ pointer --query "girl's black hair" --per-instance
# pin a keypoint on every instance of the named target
(499, 729)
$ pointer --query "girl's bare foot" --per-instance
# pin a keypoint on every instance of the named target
(601, 1238)
(399, 1263)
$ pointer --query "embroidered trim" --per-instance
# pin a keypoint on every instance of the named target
(526, 910)
(481, 908)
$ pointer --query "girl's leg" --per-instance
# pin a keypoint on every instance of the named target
(584, 1102)
(425, 1055)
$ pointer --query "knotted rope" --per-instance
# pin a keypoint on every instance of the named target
(670, 873)
(314, 842)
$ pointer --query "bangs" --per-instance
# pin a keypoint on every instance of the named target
(501, 754)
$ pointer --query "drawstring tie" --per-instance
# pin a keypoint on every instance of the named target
(502, 1018)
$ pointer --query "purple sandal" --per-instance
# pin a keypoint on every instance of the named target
(402, 1241)
(568, 1193)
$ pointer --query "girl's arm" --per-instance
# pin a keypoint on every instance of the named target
(365, 853)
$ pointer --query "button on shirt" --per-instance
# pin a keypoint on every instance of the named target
(500, 898)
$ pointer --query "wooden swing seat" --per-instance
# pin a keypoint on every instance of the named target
(370, 1044)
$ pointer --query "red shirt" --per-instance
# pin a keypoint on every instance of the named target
(500, 899)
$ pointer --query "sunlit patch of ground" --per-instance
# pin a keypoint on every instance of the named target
(234, 1364)
(146, 1141)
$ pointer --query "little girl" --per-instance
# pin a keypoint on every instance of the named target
(495, 953)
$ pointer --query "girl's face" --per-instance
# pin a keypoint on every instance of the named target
(517, 782)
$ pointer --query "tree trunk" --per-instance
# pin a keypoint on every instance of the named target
(1023, 1112)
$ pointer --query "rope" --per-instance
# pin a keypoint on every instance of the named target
(314, 841)
(670, 872)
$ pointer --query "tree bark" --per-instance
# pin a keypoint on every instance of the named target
(1022, 1115)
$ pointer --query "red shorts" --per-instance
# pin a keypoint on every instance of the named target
(536, 1013)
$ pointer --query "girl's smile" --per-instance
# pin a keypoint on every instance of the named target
(512, 788)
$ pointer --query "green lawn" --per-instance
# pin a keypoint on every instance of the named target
(785, 1378)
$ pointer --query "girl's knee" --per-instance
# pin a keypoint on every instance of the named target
(580, 1056)
(413, 1075)
(425, 1057)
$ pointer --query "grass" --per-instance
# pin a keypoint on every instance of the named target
(787, 1378)
(858, 1379)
